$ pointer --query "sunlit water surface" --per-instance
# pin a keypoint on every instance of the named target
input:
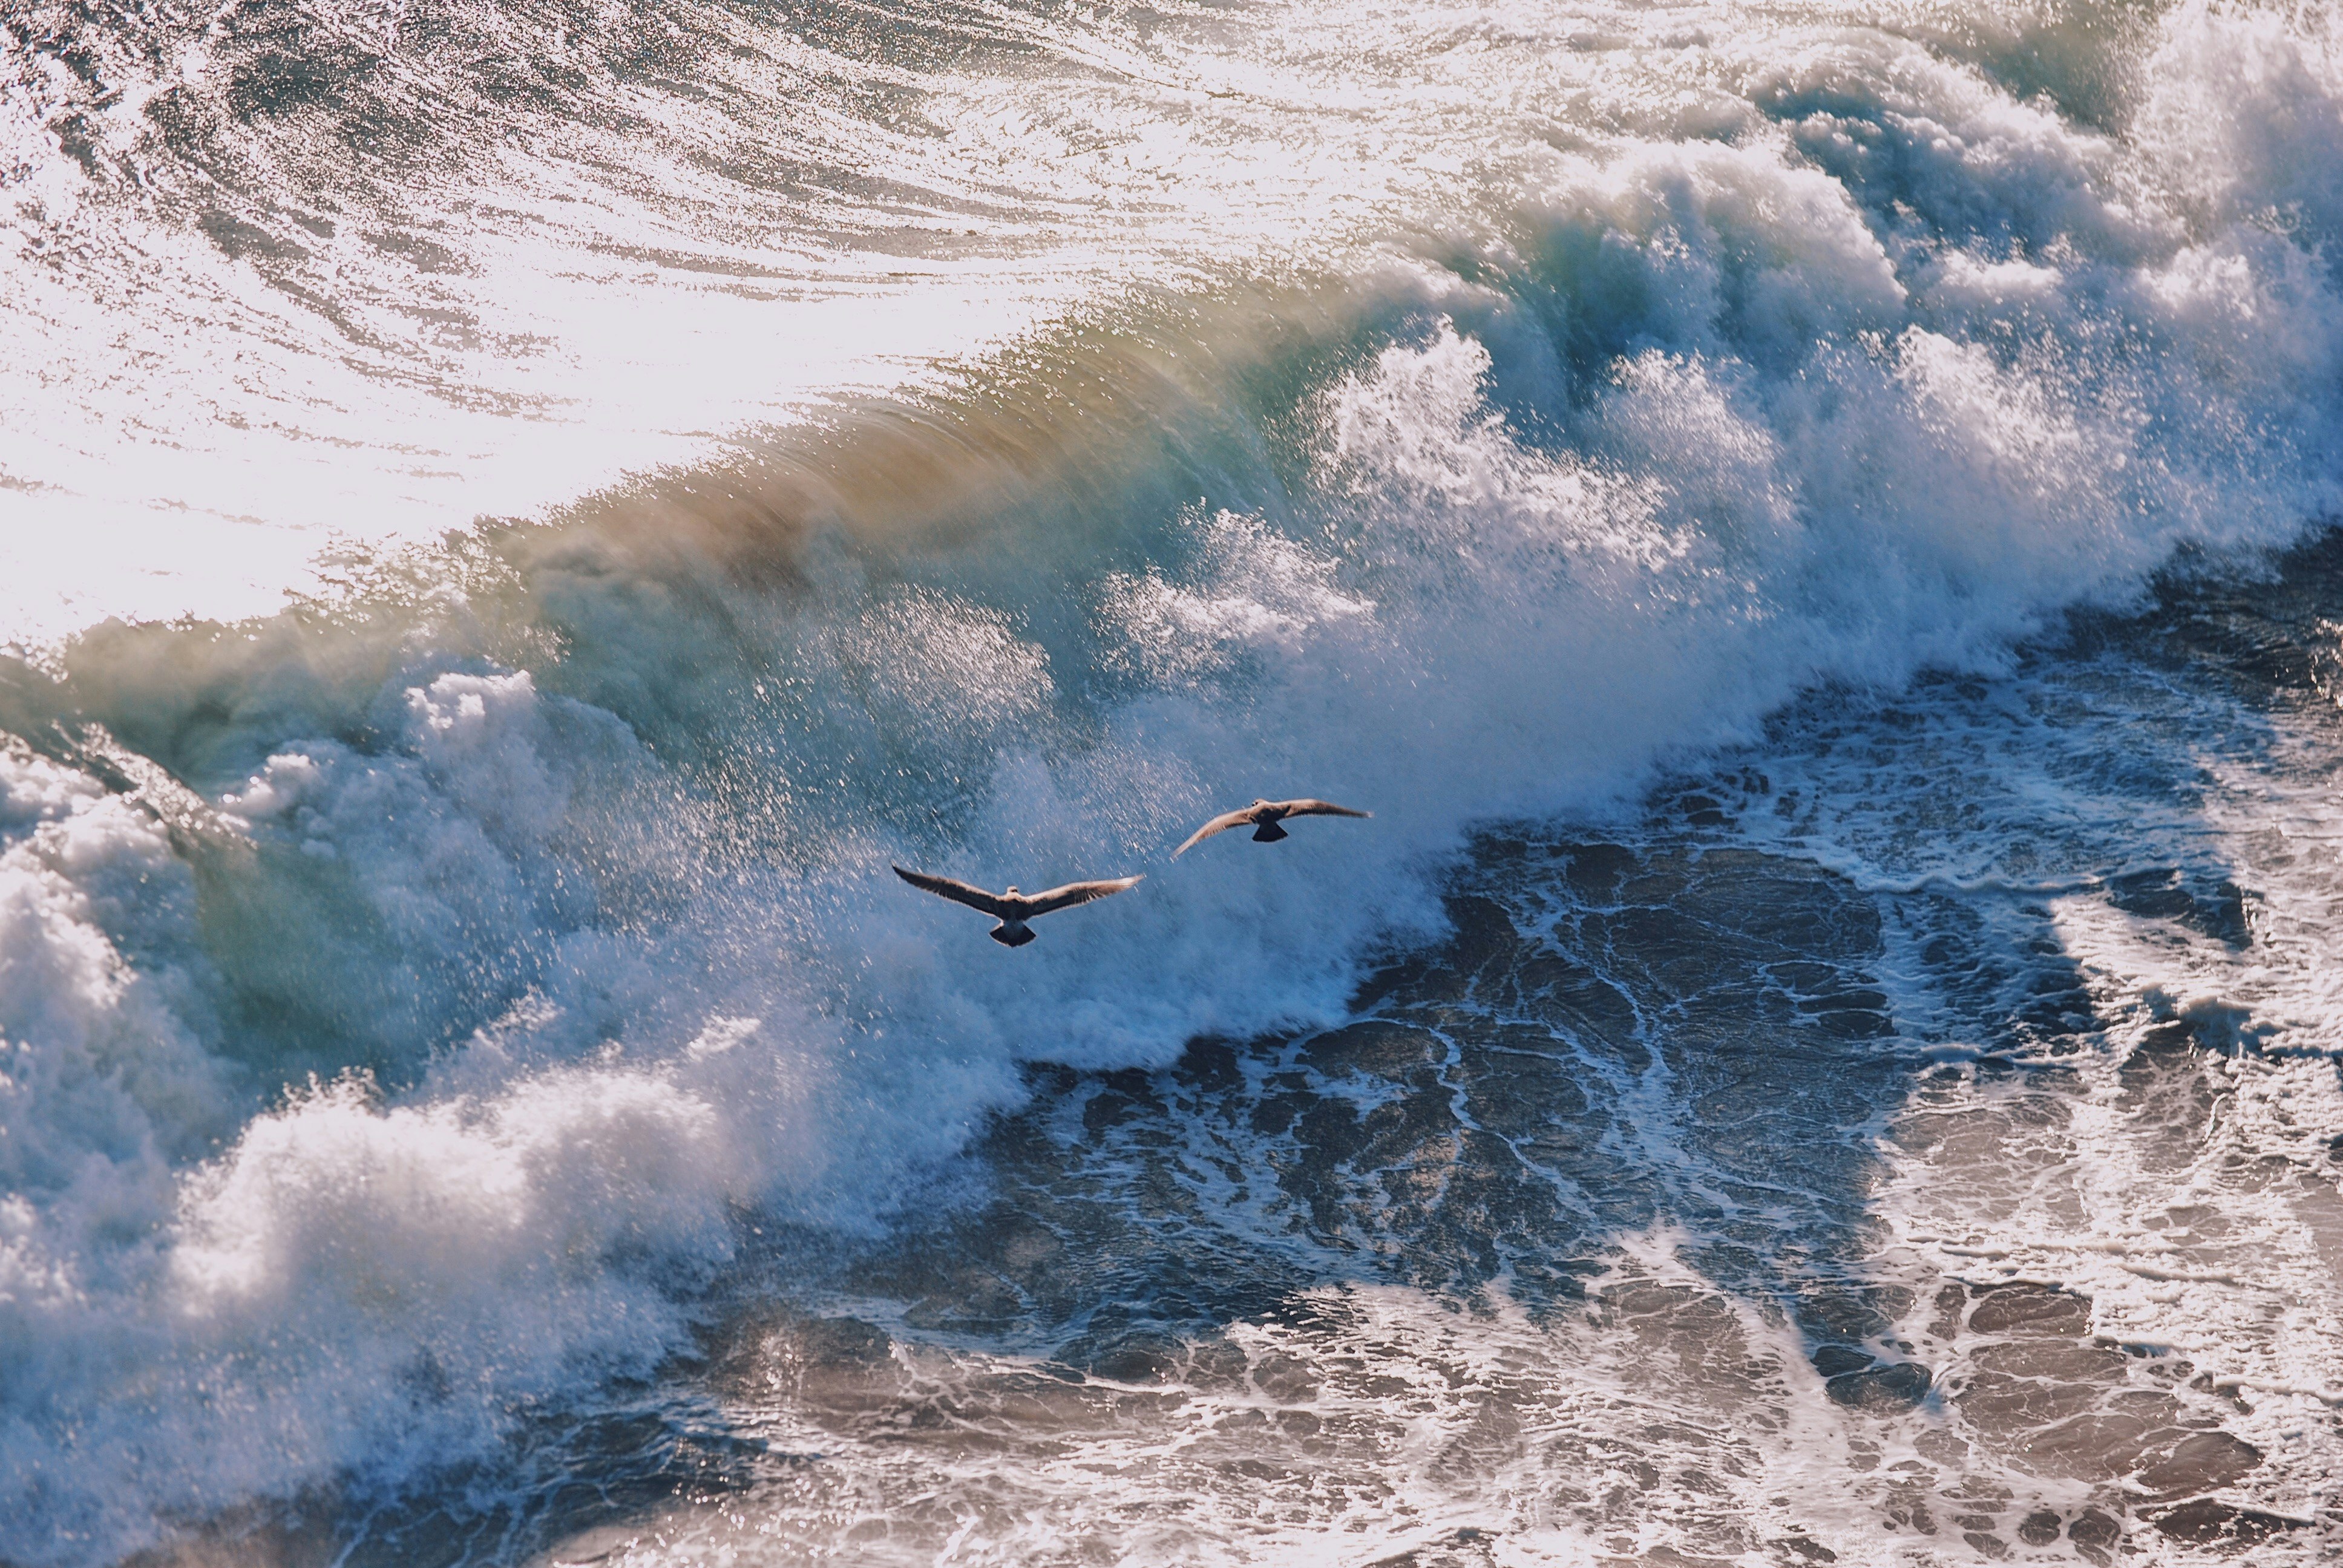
(1806, 523)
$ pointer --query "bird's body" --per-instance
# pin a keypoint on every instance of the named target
(1013, 908)
(1264, 816)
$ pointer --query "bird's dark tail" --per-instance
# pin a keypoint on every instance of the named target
(1012, 934)
(1268, 833)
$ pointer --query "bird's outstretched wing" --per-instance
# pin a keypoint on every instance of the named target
(958, 892)
(1220, 824)
(1318, 808)
(1073, 893)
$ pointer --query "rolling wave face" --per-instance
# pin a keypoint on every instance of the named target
(414, 997)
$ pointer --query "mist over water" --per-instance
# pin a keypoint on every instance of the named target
(1805, 524)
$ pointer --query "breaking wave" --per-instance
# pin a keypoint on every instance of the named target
(413, 997)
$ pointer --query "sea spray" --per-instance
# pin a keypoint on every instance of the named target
(417, 997)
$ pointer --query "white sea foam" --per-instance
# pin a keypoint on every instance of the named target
(1812, 350)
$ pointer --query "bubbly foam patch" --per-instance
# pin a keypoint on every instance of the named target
(1812, 353)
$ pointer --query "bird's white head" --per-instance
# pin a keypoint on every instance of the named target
(1010, 889)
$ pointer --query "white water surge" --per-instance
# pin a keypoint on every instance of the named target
(717, 450)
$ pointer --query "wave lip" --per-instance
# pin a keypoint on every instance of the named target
(557, 853)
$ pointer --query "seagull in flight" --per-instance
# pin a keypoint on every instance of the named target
(1013, 908)
(1264, 816)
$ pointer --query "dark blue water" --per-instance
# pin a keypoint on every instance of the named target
(1809, 532)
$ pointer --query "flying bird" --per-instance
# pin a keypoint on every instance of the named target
(1013, 908)
(1264, 816)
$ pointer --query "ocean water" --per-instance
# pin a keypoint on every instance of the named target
(1811, 526)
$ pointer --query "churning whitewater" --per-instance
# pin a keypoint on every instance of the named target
(1807, 525)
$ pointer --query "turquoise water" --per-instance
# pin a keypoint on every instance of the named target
(1806, 525)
